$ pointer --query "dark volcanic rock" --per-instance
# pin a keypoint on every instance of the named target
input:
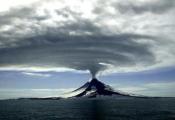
(47, 98)
(95, 88)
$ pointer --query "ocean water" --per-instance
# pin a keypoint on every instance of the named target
(89, 109)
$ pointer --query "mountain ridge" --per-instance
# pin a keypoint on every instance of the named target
(96, 88)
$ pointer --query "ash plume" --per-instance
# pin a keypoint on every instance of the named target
(98, 40)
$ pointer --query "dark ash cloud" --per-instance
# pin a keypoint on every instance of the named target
(66, 38)
(79, 52)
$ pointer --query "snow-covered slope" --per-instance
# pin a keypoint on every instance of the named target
(95, 88)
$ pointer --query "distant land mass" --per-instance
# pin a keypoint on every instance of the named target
(93, 89)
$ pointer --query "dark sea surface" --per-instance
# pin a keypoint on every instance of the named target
(89, 109)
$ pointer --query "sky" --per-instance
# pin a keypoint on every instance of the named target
(49, 47)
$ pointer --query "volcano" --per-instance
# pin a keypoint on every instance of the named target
(95, 88)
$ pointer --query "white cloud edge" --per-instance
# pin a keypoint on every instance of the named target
(36, 74)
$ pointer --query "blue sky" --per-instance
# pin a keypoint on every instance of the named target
(56, 80)
(159, 82)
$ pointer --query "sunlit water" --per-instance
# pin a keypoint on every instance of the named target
(88, 109)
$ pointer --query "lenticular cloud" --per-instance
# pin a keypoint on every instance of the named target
(93, 53)
(94, 39)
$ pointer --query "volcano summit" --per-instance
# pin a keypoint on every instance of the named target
(95, 88)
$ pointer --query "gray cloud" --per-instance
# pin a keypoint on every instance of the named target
(156, 7)
(137, 7)
(78, 52)
(64, 38)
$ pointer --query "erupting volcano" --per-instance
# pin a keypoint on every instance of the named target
(95, 88)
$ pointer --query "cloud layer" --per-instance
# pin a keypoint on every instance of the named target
(106, 36)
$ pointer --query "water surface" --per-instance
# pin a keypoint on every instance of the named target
(89, 109)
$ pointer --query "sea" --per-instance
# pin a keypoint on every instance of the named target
(89, 109)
